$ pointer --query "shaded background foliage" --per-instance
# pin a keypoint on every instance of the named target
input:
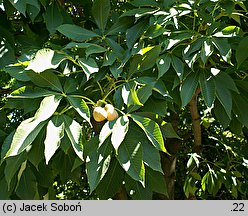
(176, 71)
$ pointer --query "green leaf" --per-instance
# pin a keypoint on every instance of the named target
(44, 59)
(163, 64)
(192, 52)
(168, 131)
(224, 48)
(136, 190)
(149, 57)
(20, 6)
(188, 88)
(74, 133)
(27, 131)
(151, 155)
(76, 33)
(89, 66)
(119, 131)
(31, 92)
(178, 66)
(143, 94)
(226, 80)
(144, 3)
(130, 157)
(116, 69)
(207, 50)
(81, 107)
(46, 79)
(193, 157)
(154, 31)
(129, 94)
(7, 52)
(17, 72)
(106, 131)
(27, 187)
(240, 108)
(34, 154)
(224, 96)
(221, 114)
(190, 186)
(4, 192)
(93, 49)
(12, 166)
(111, 182)
(241, 54)
(208, 88)
(97, 161)
(157, 181)
(134, 33)
(120, 26)
(53, 17)
(139, 12)
(62, 165)
(70, 85)
(90, 48)
(152, 131)
(54, 134)
(32, 11)
(100, 12)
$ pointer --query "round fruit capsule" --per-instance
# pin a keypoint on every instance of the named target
(112, 114)
(99, 114)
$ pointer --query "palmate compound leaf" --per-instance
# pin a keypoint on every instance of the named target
(54, 134)
(130, 157)
(46, 79)
(151, 155)
(151, 129)
(80, 106)
(112, 181)
(27, 131)
(117, 129)
(97, 160)
(74, 132)
(89, 66)
(45, 59)
(30, 92)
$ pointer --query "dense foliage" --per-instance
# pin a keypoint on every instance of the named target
(176, 73)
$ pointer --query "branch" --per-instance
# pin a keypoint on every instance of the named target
(196, 122)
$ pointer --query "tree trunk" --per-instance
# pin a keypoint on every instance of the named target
(169, 162)
(196, 123)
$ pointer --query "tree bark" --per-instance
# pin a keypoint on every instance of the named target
(196, 123)
(168, 162)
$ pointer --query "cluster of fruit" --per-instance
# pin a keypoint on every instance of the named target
(108, 112)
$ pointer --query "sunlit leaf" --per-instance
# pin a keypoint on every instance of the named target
(43, 60)
(152, 131)
(54, 134)
(119, 131)
(89, 66)
(74, 132)
(27, 131)
(81, 107)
